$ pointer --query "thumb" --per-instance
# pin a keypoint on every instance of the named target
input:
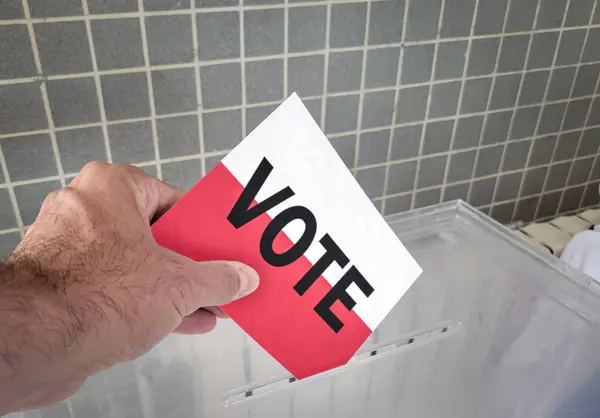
(211, 283)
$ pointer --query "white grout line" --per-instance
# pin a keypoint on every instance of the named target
(11, 193)
(428, 106)
(44, 91)
(386, 177)
(363, 76)
(88, 27)
(491, 94)
(326, 67)
(460, 96)
(198, 80)
(563, 121)
(148, 72)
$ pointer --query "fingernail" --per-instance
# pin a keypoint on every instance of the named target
(248, 281)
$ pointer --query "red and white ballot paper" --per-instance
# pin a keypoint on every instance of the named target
(284, 203)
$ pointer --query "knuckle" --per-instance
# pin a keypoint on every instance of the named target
(93, 168)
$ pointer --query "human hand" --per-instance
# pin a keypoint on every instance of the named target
(88, 287)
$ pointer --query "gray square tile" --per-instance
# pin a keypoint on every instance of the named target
(520, 16)
(378, 108)
(347, 25)
(182, 174)
(125, 96)
(7, 214)
(345, 146)
(373, 147)
(437, 137)
(344, 71)
(261, 2)
(216, 3)
(570, 46)
(80, 146)
(55, 8)
(571, 199)
(150, 170)
(444, 99)
(109, 6)
(586, 80)
(580, 171)
(397, 204)
(551, 14)
(561, 81)
(386, 22)
(222, 130)
(306, 28)
(63, 47)
(513, 53)
(542, 50)
(457, 19)
(11, 9)
(117, 43)
(155, 5)
(314, 108)
(566, 146)
(552, 115)
(450, 60)
(382, 67)
(221, 85)
(525, 121)
(507, 186)
(131, 142)
(255, 115)
(461, 166)
(263, 32)
(482, 192)
(534, 87)
(169, 39)
(483, 55)
(29, 157)
(596, 18)
(342, 113)
(476, 93)
(490, 17)
(178, 136)
(541, 154)
(549, 204)
(417, 64)
(456, 191)
(406, 142)
(515, 155)
(590, 197)
(305, 75)
(422, 20)
(468, 131)
(594, 113)
(401, 177)
(576, 113)
(264, 81)
(503, 212)
(557, 176)
(427, 198)
(431, 171)
(21, 108)
(371, 180)
(15, 50)
(592, 52)
(73, 101)
(579, 13)
(489, 161)
(505, 91)
(174, 90)
(30, 198)
(496, 127)
(211, 162)
(534, 181)
(412, 104)
(218, 35)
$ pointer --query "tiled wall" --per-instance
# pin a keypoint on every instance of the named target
(492, 101)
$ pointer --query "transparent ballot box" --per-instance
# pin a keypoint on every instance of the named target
(493, 328)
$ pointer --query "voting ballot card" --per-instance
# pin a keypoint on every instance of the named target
(284, 203)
